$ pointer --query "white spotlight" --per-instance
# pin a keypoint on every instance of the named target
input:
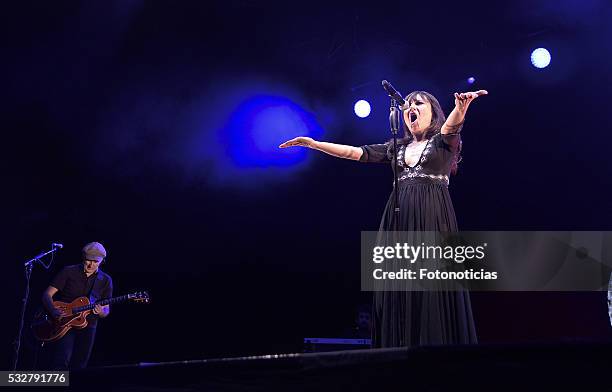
(540, 58)
(362, 108)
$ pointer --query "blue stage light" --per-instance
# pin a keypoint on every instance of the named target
(362, 108)
(260, 124)
(471, 80)
(540, 58)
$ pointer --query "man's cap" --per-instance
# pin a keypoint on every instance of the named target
(94, 251)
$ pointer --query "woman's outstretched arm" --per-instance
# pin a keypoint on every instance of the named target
(456, 117)
(337, 150)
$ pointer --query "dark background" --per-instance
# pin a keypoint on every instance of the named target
(111, 114)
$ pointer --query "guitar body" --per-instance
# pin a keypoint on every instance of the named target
(49, 329)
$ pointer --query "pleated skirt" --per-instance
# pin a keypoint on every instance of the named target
(417, 318)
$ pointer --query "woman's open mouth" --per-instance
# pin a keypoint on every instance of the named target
(413, 118)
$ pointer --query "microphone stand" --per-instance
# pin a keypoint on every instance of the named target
(28, 272)
(394, 121)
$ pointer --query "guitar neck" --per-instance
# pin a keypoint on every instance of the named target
(102, 302)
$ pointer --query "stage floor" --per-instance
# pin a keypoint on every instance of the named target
(574, 366)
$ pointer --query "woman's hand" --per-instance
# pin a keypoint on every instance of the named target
(301, 141)
(337, 150)
(453, 122)
(463, 100)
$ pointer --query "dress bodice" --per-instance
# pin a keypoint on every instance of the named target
(434, 163)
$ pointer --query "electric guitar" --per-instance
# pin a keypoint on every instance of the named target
(49, 329)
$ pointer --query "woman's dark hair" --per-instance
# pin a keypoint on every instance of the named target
(437, 120)
(437, 115)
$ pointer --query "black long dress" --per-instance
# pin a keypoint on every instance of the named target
(417, 318)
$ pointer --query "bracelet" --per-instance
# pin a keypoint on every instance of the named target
(454, 127)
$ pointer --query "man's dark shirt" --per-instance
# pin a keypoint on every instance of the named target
(72, 282)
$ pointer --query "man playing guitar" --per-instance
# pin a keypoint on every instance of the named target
(72, 351)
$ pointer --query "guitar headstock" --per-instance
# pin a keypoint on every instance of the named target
(140, 297)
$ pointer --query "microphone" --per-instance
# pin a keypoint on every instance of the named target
(393, 93)
(56, 245)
